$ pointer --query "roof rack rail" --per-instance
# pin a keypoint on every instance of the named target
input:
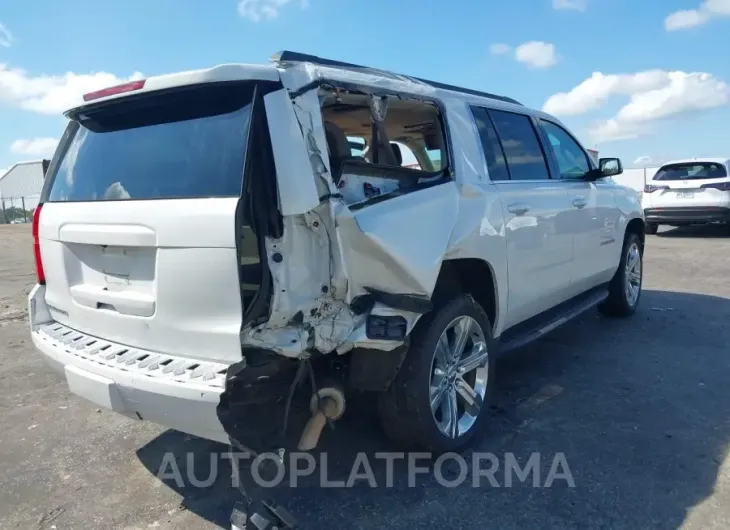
(287, 56)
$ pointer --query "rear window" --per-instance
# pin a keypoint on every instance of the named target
(693, 170)
(180, 144)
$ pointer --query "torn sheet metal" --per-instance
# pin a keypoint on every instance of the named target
(335, 252)
(300, 75)
(325, 332)
(307, 111)
(297, 190)
(307, 309)
(290, 341)
(397, 245)
(300, 271)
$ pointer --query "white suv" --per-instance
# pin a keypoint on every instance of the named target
(229, 251)
(684, 192)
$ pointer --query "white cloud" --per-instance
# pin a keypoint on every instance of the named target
(689, 18)
(52, 94)
(536, 54)
(643, 161)
(684, 19)
(258, 10)
(35, 146)
(684, 92)
(594, 91)
(499, 49)
(654, 95)
(6, 38)
(577, 5)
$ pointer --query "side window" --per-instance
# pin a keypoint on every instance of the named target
(409, 137)
(434, 155)
(407, 156)
(572, 160)
(496, 163)
(381, 150)
(358, 146)
(525, 158)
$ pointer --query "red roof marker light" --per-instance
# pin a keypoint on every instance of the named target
(111, 91)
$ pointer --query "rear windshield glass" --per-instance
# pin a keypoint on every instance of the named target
(182, 144)
(693, 170)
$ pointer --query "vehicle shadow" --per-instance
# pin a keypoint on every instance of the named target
(706, 231)
(638, 408)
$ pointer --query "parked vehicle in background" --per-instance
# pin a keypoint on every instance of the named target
(685, 192)
(212, 255)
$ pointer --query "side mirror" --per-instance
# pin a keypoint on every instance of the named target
(610, 167)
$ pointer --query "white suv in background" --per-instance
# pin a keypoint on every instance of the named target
(212, 255)
(684, 192)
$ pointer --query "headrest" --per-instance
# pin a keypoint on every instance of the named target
(337, 142)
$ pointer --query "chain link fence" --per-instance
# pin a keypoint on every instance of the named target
(18, 210)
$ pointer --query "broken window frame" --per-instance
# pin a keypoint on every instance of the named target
(445, 172)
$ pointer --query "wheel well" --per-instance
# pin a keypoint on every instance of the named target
(472, 276)
(636, 226)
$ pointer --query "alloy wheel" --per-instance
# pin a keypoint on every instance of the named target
(459, 376)
(633, 274)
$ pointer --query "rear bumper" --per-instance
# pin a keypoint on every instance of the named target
(687, 215)
(178, 393)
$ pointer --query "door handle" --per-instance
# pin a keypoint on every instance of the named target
(518, 208)
(580, 202)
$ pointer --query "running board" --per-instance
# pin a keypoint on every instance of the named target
(536, 327)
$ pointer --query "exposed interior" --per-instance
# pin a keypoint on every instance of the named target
(258, 217)
(372, 158)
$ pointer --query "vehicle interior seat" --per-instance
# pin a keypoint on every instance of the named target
(339, 149)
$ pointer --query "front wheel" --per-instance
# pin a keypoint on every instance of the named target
(441, 396)
(624, 290)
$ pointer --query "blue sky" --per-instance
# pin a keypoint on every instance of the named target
(637, 78)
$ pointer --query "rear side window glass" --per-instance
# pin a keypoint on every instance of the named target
(434, 155)
(185, 144)
(496, 163)
(572, 160)
(691, 170)
(521, 146)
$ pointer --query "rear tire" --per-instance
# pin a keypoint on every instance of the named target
(651, 228)
(434, 371)
(624, 291)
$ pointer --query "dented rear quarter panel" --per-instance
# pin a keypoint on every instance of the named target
(396, 245)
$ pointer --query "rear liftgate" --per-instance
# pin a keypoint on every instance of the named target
(331, 279)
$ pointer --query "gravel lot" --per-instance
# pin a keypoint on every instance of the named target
(639, 407)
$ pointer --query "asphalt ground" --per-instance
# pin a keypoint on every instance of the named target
(639, 409)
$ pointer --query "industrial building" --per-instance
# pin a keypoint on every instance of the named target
(20, 190)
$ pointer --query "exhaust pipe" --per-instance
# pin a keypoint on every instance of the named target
(328, 404)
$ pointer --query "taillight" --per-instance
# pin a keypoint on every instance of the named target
(40, 275)
(651, 188)
(111, 91)
(722, 186)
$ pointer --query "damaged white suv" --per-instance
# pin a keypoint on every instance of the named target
(230, 252)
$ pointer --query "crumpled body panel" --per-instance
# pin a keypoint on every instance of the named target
(333, 252)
